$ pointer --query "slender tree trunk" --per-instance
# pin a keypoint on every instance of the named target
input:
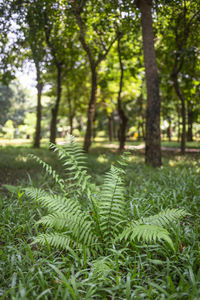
(169, 130)
(91, 111)
(143, 131)
(58, 65)
(71, 124)
(71, 113)
(122, 116)
(179, 129)
(54, 111)
(39, 110)
(190, 123)
(110, 128)
(181, 38)
(178, 123)
(140, 124)
(115, 127)
(94, 60)
(183, 112)
(153, 141)
(183, 134)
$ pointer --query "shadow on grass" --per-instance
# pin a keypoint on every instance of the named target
(16, 166)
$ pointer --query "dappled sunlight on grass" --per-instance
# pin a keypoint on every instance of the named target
(172, 163)
(21, 158)
(102, 158)
(15, 160)
(16, 164)
(15, 142)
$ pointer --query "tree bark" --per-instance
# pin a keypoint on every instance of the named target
(122, 115)
(183, 113)
(71, 111)
(190, 114)
(39, 110)
(91, 110)
(153, 141)
(179, 128)
(54, 110)
(71, 120)
(169, 130)
(140, 124)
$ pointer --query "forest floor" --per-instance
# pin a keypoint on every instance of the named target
(149, 272)
(15, 163)
(142, 147)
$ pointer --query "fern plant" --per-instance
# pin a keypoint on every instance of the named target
(82, 215)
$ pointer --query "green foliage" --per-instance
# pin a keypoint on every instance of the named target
(132, 271)
(28, 127)
(9, 129)
(6, 94)
(82, 215)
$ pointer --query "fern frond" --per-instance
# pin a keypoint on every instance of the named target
(164, 218)
(124, 161)
(64, 242)
(54, 202)
(49, 170)
(74, 161)
(57, 240)
(101, 267)
(146, 233)
(80, 227)
(112, 204)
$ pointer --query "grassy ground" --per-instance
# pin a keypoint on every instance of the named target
(144, 272)
(101, 141)
(174, 144)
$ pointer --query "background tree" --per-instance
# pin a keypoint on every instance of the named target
(75, 89)
(35, 39)
(152, 140)
(97, 42)
(59, 38)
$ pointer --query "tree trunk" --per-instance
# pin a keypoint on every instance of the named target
(190, 123)
(122, 116)
(91, 111)
(115, 126)
(54, 111)
(71, 120)
(183, 134)
(183, 114)
(178, 122)
(94, 62)
(39, 110)
(71, 112)
(140, 123)
(169, 130)
(179, 129)
(153, 141)
(143, 131)
(110, 128)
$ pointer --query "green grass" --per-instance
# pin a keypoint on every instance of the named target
(189, 145)
(142, 272)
